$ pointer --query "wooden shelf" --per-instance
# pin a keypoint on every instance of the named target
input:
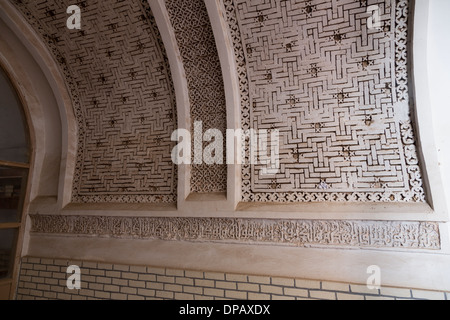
(10, 225)
(14, 164)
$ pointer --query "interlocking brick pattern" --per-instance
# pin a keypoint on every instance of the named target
(335, 89)
(46, 279)
(123, 97)
(201, 63)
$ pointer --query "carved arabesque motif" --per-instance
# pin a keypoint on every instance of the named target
(201, 63)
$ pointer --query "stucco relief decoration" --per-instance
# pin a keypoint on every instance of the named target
(334, 87)
(118, 76)
(332, 77)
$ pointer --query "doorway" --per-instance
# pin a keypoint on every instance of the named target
(14, 169)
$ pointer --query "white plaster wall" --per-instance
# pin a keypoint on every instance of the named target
(439, 84)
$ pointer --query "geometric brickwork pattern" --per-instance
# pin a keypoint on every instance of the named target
(335, 88)
(201, 64)
(299, 233)
(118, 75)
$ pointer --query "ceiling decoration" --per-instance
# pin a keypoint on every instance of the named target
(201, 63)
(320, 72)
(335, 87)
(119, 78)
(299, 233)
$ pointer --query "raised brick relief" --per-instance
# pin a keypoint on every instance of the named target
(201, 62)
(336, 89)
(119, 79)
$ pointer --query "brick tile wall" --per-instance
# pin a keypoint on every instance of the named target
(46, 279)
